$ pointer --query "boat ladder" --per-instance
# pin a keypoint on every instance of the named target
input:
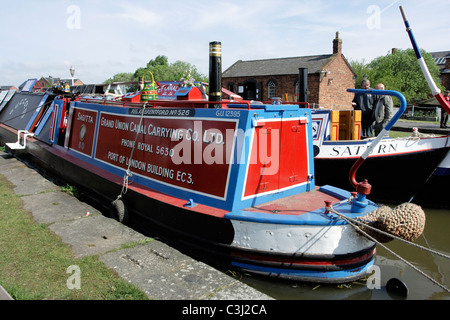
(17, 145)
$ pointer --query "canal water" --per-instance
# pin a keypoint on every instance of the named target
(436, 236)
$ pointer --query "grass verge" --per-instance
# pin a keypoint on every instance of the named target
(34, 261)
(399, 134)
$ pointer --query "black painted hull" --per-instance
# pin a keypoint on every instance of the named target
(105, 190)
(394, 179)
(201, 236)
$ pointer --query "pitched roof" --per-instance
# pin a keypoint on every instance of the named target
(57, 79)
(6, 87)
(439, 57)
(279, 66)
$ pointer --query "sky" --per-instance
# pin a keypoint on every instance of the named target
(101, 38)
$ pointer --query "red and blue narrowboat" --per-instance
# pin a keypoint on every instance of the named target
(233, 182)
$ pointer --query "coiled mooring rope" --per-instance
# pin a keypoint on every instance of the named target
(354, 223)
(118, 206)
(128, 173)
(406, 221)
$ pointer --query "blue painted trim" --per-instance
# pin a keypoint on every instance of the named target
(281, 107)
(36, 112)
(60, 104)
(332, 275)
(410, 34)
(440, 171)
(44, 121)
(326, 124)
(335, 192)
(277, 115)
(313, 218)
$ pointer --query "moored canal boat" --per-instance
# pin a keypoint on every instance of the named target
(399, 168)
(234, 182)
(413, 169)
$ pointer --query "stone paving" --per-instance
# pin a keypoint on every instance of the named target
(160, 271)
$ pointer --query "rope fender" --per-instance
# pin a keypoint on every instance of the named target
(406, 221)
(384, 217)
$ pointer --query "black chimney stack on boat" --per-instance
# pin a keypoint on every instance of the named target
(140, 84)
(215, 73)
(302, 84)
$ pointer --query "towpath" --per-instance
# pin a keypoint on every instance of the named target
(160, 271)
(427, 127)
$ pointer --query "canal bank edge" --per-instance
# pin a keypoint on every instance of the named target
(160, 271)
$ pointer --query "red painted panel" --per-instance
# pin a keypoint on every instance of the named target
(263, 169)
(294, 156)
(53, 123)
(183, 152)
(279, 157)
(83, 131)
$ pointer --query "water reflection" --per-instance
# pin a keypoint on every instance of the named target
(436, 236)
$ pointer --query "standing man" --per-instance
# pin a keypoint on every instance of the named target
(444, 114)
(364, 102)
(383, 110)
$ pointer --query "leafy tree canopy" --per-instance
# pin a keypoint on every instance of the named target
(398, 71)
(121, 77)
(162, 70)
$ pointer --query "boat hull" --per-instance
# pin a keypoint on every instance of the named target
(222, 185)
(217, 239)
(435, 190)
(395, 177)
(399, 169)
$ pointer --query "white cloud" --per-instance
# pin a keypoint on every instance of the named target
(120, 36)
(144, 16)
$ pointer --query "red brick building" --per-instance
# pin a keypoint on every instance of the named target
(47, 82)
(329, 76)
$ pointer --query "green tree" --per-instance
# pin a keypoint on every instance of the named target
(158, 61)
(162, 70)
(122, 77)
(159, 67)
(399, 71)
(361, 69)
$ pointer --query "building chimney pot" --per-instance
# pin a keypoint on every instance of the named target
(337, 44)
